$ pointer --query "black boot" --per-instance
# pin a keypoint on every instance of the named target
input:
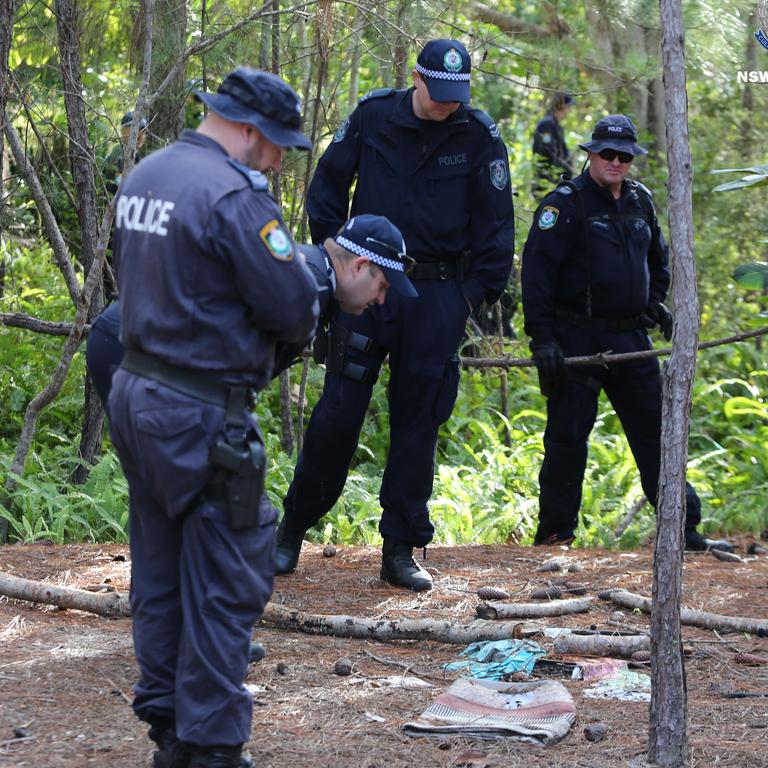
(399, 568)
(695, 542)
(220, 757)
(171, 753)
(289, 541)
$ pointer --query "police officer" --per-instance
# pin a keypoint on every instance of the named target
(550, 152)
(595, 275)
(346, 280)
(209, 279)
(438, 170)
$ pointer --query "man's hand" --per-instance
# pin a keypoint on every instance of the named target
(657, 314)
(549, 364)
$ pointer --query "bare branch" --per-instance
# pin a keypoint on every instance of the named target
(55, 238)
(29, 323)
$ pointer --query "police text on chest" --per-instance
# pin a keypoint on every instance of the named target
(141, 215)
(458, 159)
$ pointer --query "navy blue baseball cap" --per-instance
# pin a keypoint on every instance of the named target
(381, 242)
(615, 132)
(445, 66)
(261, 99)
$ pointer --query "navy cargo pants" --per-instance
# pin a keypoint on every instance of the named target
(197, 585)
(421, 337)
(634, 390)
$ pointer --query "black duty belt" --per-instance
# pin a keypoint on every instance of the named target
(631, 323)
(441, 270)
(198, 384)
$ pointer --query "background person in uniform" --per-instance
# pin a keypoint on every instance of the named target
(551, 158)
(113, 165)
(438, 170)
(595, 273)
(209, 280)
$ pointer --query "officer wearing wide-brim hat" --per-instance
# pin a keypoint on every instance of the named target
(594, 278)
(438, 170)
(210, 281)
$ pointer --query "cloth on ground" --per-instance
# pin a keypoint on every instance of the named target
(498, 658)
(540, 712)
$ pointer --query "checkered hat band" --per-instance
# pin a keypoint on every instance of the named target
(440, 75)
(382, 261)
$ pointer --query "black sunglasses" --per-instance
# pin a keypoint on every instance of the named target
(610, 155)
(407, 261)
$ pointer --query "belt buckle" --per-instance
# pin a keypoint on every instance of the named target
(442, 270)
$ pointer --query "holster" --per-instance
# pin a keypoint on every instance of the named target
(241, 463)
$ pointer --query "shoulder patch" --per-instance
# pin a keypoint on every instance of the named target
(378, 93)
(486, 121)
(341, 132)
(548, 217)
(499, 174)
(277, 240)
(256, 179)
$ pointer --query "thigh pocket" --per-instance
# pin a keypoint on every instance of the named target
(174, 451)
(449, 390)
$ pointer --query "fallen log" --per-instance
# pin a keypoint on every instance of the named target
(111, 605)
(533, 610)
(602, 645)
(115, 605)
(439, 630)
(693, 618)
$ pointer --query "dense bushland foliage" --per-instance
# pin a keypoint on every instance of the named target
(487, 465)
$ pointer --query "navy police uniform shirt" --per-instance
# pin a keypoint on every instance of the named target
(209, 276)
(550, 149)
(582, 237)
(444, 184)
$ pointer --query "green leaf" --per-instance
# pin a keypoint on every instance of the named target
(755, 180)
(753, 276)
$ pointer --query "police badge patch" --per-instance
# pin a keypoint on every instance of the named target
(277, 240)
(341, 133)
(452, 60)
(548, 217)
(498, 169)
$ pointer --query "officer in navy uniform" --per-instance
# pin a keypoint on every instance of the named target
(594, 278)
(346, 281)
(209, 280)
(550, 152)
(437, 169)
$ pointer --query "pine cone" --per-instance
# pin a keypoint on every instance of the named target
(492, 593)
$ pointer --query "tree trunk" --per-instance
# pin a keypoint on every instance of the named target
(69, 23)
(7, 17)
(533, 610)
(668, 725)
(601, 645)
(168, 44)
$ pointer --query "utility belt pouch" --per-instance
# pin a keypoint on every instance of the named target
(320, 346)
(243, 463)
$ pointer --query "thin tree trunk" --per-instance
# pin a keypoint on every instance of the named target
(601, 645)
(7, 18)
(495, 610)
(354, 61)
(668, 723)
(400, 59)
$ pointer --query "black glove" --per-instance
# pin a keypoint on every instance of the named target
(657, 314)
(549, 364)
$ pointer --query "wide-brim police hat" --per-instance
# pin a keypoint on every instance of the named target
(380, 241)
(263, 100)
(445, 67)
(615, 132)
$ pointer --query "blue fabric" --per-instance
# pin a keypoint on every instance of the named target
(104, 350)
(498, 658)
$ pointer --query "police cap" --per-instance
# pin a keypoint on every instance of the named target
(381, 242)
(261, 99)
(127, 119)
(445, 67)
(614, 132)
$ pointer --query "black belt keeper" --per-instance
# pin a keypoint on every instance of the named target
(198, 384)
(610, 324)
(442, 270)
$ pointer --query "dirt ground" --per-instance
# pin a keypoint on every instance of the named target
(66, 676)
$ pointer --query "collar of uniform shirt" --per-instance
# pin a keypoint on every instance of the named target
(404, 115)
